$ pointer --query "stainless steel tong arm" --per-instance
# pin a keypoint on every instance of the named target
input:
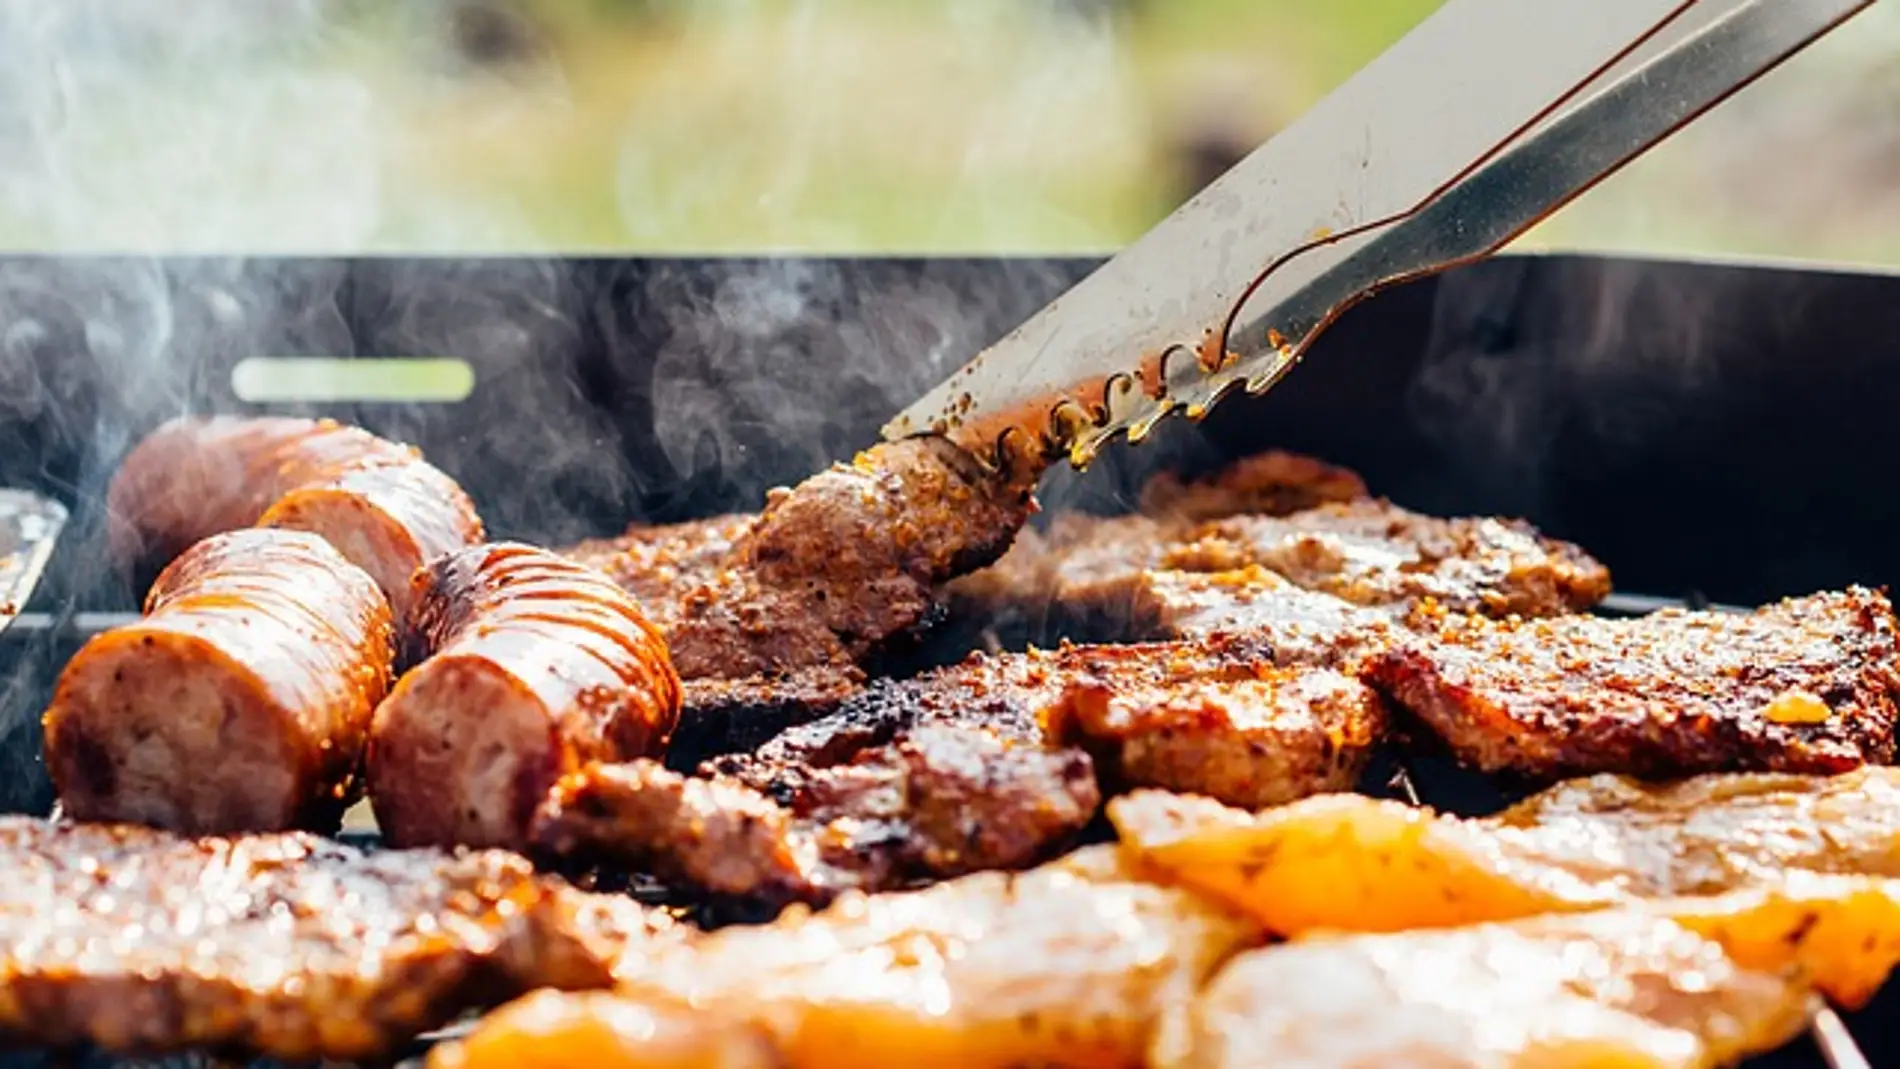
(1480, 122)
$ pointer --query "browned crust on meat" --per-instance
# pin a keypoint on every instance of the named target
(380, 503)
(289, 945)
(1273, 483)
(1374, 553)
(723, 716)
(1283, 735)
(240, 702)
(1669, 694)
(941, 801)
(543, 665)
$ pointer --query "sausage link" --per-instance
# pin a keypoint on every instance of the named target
(384, 507)
(541, 665)
(240, 702)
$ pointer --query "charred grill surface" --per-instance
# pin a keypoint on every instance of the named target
(286, 944)
(1805, 685)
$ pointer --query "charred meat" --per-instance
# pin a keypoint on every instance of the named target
(1804, 685)
(139, 941)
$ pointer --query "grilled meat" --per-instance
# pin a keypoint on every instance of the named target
(1070, 964)
(722, 716)
(384, 507)
(139, 941)
(940, 802)
(1325, 863)
(240, 702)
(1804, 685)
(1083, 551)
(1376, 554)
(1622, 989)
(1282, 735)
(542, 665)
(1249, 688)
(655, 562)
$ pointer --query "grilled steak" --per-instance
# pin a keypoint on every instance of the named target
(384, 507)
(542, 665)
(1273, 483)
(1377, 554)
(241, 701)
(140, 941)
(1805, 685)
(1282, 735)
(830, 571)
(941, 801)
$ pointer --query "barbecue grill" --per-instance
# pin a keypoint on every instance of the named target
(1715, 433)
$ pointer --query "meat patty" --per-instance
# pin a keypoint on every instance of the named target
(1273, 483)
(941, 801)
(1374, 553)
(140, 941)
(1805, 685)
(384, 507)
(241, 701)
(542, 665)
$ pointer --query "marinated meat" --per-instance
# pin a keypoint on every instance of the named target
(241, 701)
(384, 507)
(1282, 735)
(1325, 863)
(1621, 989)
(941, 801)
(1070, 964)
(139, 941)
(1376, 554)
(830, 572)
(1273, 483)
(1804, 685)
(542, 665)
(1081, 552)
(723, 716)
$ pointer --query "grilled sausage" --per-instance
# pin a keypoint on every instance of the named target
(380, 503)
(541, 666)
(241, 702)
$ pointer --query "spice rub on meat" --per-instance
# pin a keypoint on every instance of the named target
(831, 570)
(1804, 685)
(139, 941)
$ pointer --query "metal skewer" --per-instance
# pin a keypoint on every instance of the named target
(1831, 1037)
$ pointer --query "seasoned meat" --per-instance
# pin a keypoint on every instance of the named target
(864, 545)
(1325, 863)
(722, 716)
(655, 562)
(542, 665)
(1622, 989)
(601, 1030)
(1804, 685)
(1081, 552)
(1376, 554)
(1070, 964)
(1273, 483)
(241, 701)
(286, 944)
(830, 572)
(941, 801)
(1285, 734)
(384, 507)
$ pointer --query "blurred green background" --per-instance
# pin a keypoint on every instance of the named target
(819, 125)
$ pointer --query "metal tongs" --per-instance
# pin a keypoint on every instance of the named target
(1486, 118)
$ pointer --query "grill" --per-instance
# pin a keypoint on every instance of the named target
(1715, 433)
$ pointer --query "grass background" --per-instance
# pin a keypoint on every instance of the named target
(820, 125)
